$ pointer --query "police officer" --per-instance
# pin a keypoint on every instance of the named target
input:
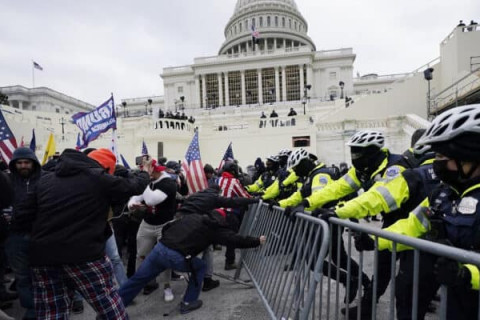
(287, 181)
(372, 163)
(395, 200)
(451, 214)
(316, 177)
(266, 178)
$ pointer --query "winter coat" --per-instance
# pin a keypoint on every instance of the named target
(206, 200)
(193, 233)
(22, 186)
(69, 209)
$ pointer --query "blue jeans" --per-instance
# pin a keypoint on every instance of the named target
(17, 249)
(160, 259)
(111, 251)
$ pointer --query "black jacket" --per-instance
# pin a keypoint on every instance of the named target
(193, 233)
(165, 210)
(22, 186)
(69, 209)
(206, 200)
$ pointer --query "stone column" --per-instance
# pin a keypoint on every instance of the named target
(260, 86)
(20, 104)
(242, 85)
(227, 90)
(310, 75)
(284, 83)
(277, 85)
(302, 79)
(204, 91)
(220, 91)
(197, 92)
(274, 44)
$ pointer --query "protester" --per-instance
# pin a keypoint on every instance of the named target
(24, 172)
(159, 201)
(69, 231)
(182, 240)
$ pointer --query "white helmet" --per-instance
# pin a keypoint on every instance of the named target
(297, 156)
(366, 138)
(421, 149)
(284, 152)
(273, 158)
(452, 123)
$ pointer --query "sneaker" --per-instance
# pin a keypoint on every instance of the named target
(168, 295)
(77, 307)
(149, 288)
(186, 307)
(230, 266)
(176, 276)
(209, 284)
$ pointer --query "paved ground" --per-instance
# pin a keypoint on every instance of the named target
(230, 301)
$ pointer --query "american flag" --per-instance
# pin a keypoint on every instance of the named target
(228, 156)
(255, 33)
(8, 144)
(37, 66)
(144, 148)
(193, 167)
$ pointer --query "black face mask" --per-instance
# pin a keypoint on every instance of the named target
(457, 179)
(304, 168)
(450, 177)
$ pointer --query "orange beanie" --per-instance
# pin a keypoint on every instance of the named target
(105, 158)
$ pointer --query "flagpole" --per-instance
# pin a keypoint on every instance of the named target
(33, 76)
(114, 131)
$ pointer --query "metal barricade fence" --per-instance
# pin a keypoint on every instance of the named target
(286, 270)
(296, 281)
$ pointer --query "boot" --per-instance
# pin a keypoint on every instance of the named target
(209, 284)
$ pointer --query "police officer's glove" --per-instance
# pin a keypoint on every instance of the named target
(451, 273)
(363, 242)
(272, 203)
(324, 214)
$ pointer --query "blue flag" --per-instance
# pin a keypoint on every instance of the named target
(144, 148)
(228, 156)
(95, 122)
(33, 142)
(125, 164)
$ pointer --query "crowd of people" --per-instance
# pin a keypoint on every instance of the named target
(67, 225)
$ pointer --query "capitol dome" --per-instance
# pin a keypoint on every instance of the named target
(279, 23)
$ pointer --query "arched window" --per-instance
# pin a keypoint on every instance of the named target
(240, 27)
(276, 21)
(253, 22)
(235, 29)
(261, 21)
(246, 24)
(268, 21)
(295, 25)
(283, 22)
(290, 23)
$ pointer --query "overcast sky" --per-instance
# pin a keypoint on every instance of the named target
(91, 48)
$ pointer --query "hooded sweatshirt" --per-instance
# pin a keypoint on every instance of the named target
(22, 186)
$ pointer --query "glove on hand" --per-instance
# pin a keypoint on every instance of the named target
(363, 242)
(451, 273)
(324, 214)
(272, 203)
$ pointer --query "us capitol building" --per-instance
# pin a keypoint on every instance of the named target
(279, 70)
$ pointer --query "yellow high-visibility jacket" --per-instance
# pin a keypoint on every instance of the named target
(418, 224)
